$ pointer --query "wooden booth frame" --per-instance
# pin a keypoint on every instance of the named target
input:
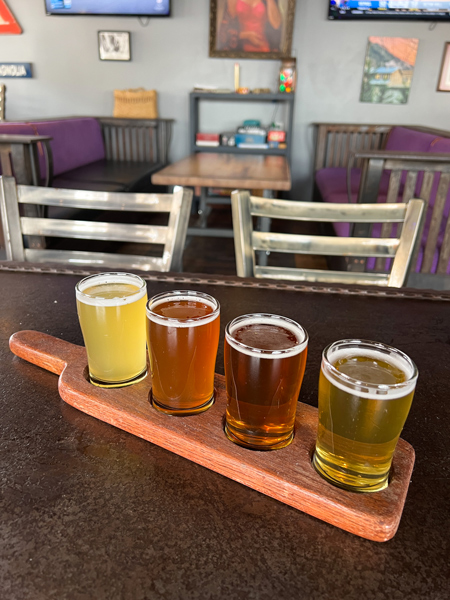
(444, 76)
(224, 41)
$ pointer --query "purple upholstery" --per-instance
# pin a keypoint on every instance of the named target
(76, 142)
(332, 184)
(333, 180)
(407, 140)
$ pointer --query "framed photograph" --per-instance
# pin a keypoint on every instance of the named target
(444, 77)
(114, 45)
(251, 29)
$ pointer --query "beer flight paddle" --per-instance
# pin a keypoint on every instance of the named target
(286, 475)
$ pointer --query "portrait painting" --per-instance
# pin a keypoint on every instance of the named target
(251, 28)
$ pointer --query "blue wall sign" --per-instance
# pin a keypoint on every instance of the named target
(15, 70)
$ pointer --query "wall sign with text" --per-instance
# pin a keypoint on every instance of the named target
(15, 70)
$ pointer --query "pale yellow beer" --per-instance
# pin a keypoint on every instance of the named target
(111, 310)
(365, 393)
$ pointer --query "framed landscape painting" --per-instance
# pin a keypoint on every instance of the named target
(388, 70)
(251, 28)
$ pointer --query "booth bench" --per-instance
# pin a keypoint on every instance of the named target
(100, 154)
(385, 163)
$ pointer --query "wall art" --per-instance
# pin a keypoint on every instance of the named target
(251, 28)
(114, 45)
(388, 70)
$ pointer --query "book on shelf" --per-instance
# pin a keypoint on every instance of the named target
(207, 143)
(245, 138)
(255, 146)
(207, 137)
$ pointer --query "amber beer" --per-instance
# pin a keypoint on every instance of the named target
(265, 358)
(111, 311)
(183, 338)
(365, 393)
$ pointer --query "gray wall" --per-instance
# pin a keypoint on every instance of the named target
(171, 55)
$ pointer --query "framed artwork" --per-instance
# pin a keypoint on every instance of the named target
(388, 70)
(114, 45)
(444, 77)
(251, 28)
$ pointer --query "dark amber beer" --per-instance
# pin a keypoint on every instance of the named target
(365, 393)
(182, 338)
(265, 357)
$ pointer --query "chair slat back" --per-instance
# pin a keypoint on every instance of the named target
(434, 169)
(248, 241)
(171, 237)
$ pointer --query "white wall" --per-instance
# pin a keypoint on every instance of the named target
(171, 55)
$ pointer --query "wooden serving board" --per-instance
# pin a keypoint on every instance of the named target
(286, 475)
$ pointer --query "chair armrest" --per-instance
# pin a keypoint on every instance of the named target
(400, 155)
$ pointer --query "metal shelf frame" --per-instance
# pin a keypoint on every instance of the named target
(194, 110)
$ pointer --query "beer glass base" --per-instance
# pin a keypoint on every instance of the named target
(257, 445)
(181, 412)
(117, 384)
(336, 478)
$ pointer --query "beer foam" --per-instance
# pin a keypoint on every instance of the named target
(106, 278)
(270, 354)
(194, 322)
(380, 391)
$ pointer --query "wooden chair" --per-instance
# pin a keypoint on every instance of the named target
(171, 237)
(247, 241)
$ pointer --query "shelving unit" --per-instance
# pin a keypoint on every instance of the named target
(194, 105)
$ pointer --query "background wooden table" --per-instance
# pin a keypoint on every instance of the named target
(228, 171)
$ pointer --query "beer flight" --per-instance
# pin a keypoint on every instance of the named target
(365, 388)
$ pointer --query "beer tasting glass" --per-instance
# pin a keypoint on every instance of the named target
(111, 311)
(265, 358)
(365, 393)
(183, 337)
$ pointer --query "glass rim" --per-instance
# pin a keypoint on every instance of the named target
(380, 346)
(260, 351)
(177, 293)
(136, 278)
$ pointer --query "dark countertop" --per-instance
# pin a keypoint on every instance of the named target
(88, 511)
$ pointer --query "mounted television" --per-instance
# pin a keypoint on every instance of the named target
(113, 8)
(426, 10)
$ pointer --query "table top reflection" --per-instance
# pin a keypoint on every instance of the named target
(89, 511)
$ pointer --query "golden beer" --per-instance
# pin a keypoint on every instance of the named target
(183, 337)
(365, 393)
(265, 358)
(111, 311)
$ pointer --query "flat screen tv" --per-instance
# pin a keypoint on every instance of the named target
(124, 8)
(426, 10)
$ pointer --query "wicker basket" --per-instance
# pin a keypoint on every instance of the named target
(135, 104)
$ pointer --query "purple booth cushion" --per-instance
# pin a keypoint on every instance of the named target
(402, 139)
(76, 142)
(333, 180)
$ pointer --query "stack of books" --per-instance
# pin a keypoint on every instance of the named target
(207, 139)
